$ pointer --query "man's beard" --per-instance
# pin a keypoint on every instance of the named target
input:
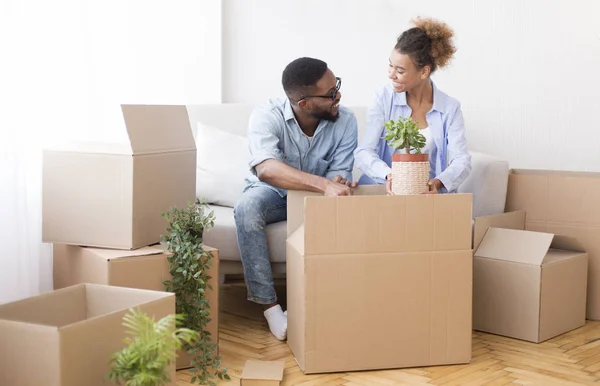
(326, 115)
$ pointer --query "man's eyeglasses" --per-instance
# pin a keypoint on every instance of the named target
(331, 96)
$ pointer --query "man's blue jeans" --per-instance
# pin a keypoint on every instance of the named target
(258, 207)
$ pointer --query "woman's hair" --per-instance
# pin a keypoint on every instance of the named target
(428, 43)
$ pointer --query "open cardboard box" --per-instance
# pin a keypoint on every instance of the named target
(144, 268)
(563, 203)
(66, 337)
(376, 281)
(526, 285)
(113, 195)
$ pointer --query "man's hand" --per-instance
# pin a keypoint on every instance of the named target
(388, 184)
(434, 186)
(334, 188)
(344, 181)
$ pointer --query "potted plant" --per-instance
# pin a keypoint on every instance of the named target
(410, 171)
(150, 349)
(189, 265)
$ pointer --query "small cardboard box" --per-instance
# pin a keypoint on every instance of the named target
(113, 195)
(144, 268)
(378, 282)
(563, 203)
(528, 285)
(66, 337)
(262, 373)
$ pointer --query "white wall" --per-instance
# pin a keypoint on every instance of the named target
(66, 67)
(526, 72)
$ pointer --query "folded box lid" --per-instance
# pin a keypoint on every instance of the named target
(521, 246)
(158, 128)
(112, 254)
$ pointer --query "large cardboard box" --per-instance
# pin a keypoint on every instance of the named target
(144, 268)
(563, 203)
(376, 282)
(528, 285)
(66, 337)
(113, 195)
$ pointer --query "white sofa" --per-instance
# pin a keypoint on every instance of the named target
(220, 132)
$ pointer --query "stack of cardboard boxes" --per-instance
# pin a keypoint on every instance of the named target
(102, 210)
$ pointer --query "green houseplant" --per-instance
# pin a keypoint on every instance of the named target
(150, 349)
(189, 266)
(410, 171)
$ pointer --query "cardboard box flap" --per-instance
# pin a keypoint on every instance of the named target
(295, 208)
(511, 220)
(56, 308)
(156, 129)
(295, 203)
(515, 245)
(566, 243)
(296, 240)
(111, 254)
(386, 224)
(106, 299)
(263, 370)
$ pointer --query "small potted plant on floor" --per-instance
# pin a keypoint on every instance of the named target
(189, 265)
(150, 349)
(410, 171)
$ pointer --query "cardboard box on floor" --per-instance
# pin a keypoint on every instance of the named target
(376, 282)
(563, 203)
(66, 337)
(144, 268)
(262, 373)
(526, 285)
(113, 195)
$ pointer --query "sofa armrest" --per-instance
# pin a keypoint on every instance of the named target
(487, 182)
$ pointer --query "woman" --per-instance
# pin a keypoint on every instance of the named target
(418, 53)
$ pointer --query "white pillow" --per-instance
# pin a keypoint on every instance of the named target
(222, 165)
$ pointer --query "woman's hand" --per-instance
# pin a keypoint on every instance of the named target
(434, 186)
(388, 184)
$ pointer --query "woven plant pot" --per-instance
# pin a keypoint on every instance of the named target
(410, 173)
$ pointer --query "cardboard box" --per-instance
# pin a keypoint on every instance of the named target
(144, 268)
(262, 373)
(528, 285)
(376, 282)
(563, 203)
(113, 195)
(66, 337)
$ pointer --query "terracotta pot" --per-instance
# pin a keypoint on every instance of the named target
(410, 157)
(410, 173)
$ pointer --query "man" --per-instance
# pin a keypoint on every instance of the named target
(303, 142)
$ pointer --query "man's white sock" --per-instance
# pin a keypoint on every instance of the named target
(277, 322)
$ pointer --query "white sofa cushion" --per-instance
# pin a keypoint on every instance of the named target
(487, 182)
(223, 236)
(222, 165)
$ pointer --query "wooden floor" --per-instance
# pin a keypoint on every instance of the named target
(570, 359)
